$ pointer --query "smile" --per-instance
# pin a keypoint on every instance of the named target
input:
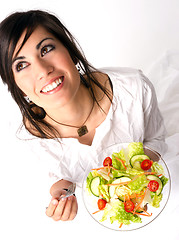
(52, 86)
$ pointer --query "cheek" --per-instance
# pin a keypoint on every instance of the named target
(24, 86)
(63, 60)
(20, 85)
(18, 80)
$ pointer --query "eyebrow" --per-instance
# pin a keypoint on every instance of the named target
(39, 44)
(37, 47)
(17, 58)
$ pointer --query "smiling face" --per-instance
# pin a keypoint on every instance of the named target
(43, 69)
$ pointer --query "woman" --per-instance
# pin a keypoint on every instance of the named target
(72, 109)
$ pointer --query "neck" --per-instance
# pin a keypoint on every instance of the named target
(74, 113)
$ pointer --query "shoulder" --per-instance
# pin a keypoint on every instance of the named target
(101, 77)
(120, 75)
(128, 77)
(131, 84)
(119, 71)
(123, 73)
(103, 80)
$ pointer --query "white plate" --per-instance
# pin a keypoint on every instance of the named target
(90, 200)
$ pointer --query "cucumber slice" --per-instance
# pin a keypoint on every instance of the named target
(137, 166)
(153, 177)
(112, 189)
(121, 191)
(95, 182)
(136, 160)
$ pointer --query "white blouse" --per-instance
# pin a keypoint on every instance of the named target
(133, 116)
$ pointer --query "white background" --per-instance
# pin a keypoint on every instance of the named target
(131, 33)
(116, 32)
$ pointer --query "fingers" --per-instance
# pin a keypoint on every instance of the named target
(58, 214)
(74, 208)
(71, 209)
(64, 210)
(51, 208)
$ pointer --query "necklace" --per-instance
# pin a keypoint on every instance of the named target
(81, 130)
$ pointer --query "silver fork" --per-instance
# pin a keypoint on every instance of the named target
(70, 191)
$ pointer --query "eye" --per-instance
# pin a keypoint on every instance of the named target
(46, 49)
(21, 65)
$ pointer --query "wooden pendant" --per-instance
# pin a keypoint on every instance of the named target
(82, 131)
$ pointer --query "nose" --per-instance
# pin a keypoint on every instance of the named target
(42, 69)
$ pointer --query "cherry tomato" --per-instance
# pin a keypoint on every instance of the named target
(107, 162)
(153, 186)
(129, 206)
(146, 164)
(101, 204)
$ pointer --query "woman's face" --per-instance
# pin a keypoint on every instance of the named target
(44, 70)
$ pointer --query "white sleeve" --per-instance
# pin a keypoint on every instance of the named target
(154, 128)
(49, 157)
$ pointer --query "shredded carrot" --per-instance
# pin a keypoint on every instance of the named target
(145, 211)
(105, 168)
(122, 161)
(135, 195)
(99, 168)
(120, 225)
(114, 168)
(109, 170)
(160, 175)
(132, 196)
(127, 197)
(142, 198)
(118, 184)
(142, 214)
(149, 173)
(122, 183)
(96, 211)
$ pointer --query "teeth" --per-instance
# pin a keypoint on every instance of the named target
(52, 86)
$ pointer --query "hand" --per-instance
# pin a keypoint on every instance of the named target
(64, 209)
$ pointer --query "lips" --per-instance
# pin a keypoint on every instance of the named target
(53, 85)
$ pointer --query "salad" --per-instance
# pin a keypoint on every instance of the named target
(126, 184)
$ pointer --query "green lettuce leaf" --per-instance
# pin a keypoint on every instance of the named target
(135, 148)
(117, 164)
(116, 212)
(156, 200)
(119, 173)
(104, 192)
(88, 180)
(164, 180)
(133, 172)
(129, 172)
(157, 168)
(138, 184)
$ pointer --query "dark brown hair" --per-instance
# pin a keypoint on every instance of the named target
(11, 30)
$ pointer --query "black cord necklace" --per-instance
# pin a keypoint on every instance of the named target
(81, 130)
